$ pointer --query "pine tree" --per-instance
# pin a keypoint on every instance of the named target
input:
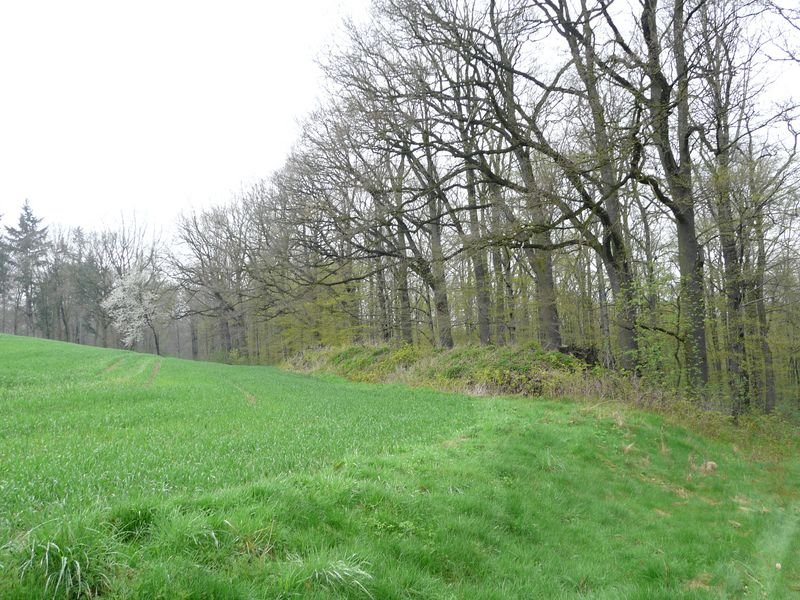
(27, 247)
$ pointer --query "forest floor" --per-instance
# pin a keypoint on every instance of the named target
(125, 475)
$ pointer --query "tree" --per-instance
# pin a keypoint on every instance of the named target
(27, 245)
(5, 277)
(138, 302)
(213, 271)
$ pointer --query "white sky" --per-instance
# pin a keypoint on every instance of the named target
(153, 106)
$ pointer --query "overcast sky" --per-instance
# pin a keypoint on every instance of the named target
(156, 106)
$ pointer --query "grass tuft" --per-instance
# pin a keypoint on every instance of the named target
(68, 561)
(343, 575)
(319, 572)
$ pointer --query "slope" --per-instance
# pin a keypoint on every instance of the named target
(130, 476)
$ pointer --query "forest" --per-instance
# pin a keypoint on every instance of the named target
(614, 179)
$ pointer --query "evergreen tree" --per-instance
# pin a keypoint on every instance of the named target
(27, 247)
(4, 280)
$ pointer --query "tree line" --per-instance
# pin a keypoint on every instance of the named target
(615, 179)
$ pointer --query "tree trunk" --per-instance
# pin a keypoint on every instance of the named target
(384, 319)
(193, 336)
(605, 328)
(549, 324)
(622, 287)
(62, 312)
(763, 324)
(511, 323)
(663, 107)
(499, 298)
(478, 255)
(438, 282)
(614, 247)
(480, 269)
(690, 263)
(734, 294)
(541, 261)
(155, 340)
(225, 335)
(404, 301)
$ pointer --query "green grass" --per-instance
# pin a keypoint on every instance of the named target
(125, 475)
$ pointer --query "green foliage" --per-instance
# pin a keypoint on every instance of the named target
(360, 363)
(522, 369)
(218, 481)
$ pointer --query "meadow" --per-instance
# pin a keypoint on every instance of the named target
(126, 475)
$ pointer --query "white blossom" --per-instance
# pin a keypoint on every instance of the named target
(134, 305)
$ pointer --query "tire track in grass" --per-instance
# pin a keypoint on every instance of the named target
(250, 398)
(113, 365)
(139, 369)
(132, 368)
(154, 373)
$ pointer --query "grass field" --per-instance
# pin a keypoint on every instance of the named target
(125, 475)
